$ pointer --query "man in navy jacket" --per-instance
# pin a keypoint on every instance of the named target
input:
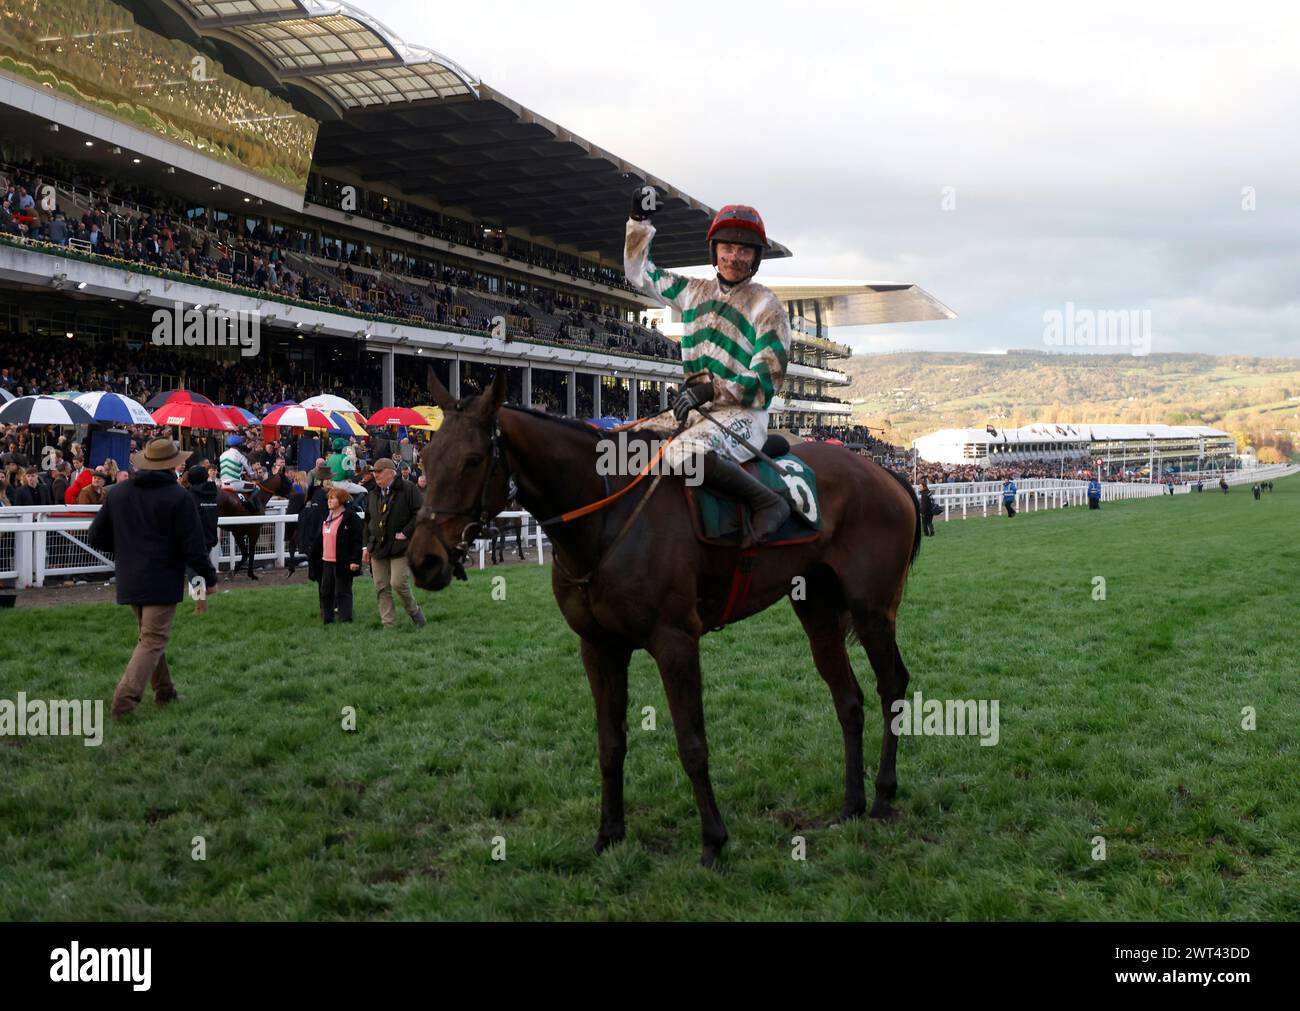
(1094, 494)
(152, 527)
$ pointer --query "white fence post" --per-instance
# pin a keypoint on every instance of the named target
(24, 554)
(38, 555)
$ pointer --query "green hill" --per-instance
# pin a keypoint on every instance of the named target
(910, 393)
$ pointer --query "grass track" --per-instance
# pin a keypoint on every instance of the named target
(1119, 718)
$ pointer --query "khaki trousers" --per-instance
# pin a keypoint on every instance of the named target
(393, 574)
(148, 664)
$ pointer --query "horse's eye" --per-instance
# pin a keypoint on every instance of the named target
(472, 461)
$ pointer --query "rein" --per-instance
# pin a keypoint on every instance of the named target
(479, 517)
(587, 510)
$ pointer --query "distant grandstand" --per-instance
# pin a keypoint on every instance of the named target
(442, 225)
(1114, 449)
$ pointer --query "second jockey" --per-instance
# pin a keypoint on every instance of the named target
(235, 468)
(735, 348)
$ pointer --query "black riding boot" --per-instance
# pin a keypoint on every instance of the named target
(770, 510)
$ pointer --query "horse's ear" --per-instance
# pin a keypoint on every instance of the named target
(495, 396)
(439, 392)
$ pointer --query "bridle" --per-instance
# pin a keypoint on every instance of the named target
(478, 516)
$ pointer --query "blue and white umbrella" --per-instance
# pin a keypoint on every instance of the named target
(113, 407)
(6, 396)
(44, 411)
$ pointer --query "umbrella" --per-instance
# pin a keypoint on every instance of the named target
(186, 414)
(239, 415)
(296, 417)
(44, 411)
(329, 402)
(351, 487)
(177, 396)
(432, 414)
(397, 416)
(6, 396)
(604, 422)
(346, 424)
(115, 407)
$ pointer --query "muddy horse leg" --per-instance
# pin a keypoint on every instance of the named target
(826, 629)
(607, 673)
(876, 632)
(678, 655)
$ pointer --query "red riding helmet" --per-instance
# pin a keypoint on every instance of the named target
(741, 224)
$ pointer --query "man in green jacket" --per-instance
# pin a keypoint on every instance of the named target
(339, 463)
(391, 509)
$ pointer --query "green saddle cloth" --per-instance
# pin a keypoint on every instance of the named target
(718, 519)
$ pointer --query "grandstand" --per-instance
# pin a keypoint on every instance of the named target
(1114, 449)
(439, 225)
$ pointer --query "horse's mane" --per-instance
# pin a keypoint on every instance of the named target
(575, 424)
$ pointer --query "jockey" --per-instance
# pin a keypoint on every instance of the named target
(234, 467)
(734, 352)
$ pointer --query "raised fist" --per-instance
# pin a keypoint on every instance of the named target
(646, 201)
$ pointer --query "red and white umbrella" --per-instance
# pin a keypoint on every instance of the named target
(397, 416)
(188, 414)
(297, 417)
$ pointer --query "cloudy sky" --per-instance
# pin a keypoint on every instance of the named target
(1098, 154)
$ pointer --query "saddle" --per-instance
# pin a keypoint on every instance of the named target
(720, 522)
(248, 499)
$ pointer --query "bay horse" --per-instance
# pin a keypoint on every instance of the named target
(246, 535)
(498, 530)
(651, 585)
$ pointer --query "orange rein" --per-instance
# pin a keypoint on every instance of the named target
(592, 507)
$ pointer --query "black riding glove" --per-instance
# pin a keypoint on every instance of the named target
(646, 202)
(690, 398)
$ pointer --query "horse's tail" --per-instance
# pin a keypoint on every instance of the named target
(916, 504)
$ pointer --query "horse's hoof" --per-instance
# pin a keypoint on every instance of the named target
(604, 841)
(850, 814)
(710, 857)
(881, 810)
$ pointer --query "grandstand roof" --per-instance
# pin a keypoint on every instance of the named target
(325, 44)
(858, 303)
(404, 115)
(1074, 433)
